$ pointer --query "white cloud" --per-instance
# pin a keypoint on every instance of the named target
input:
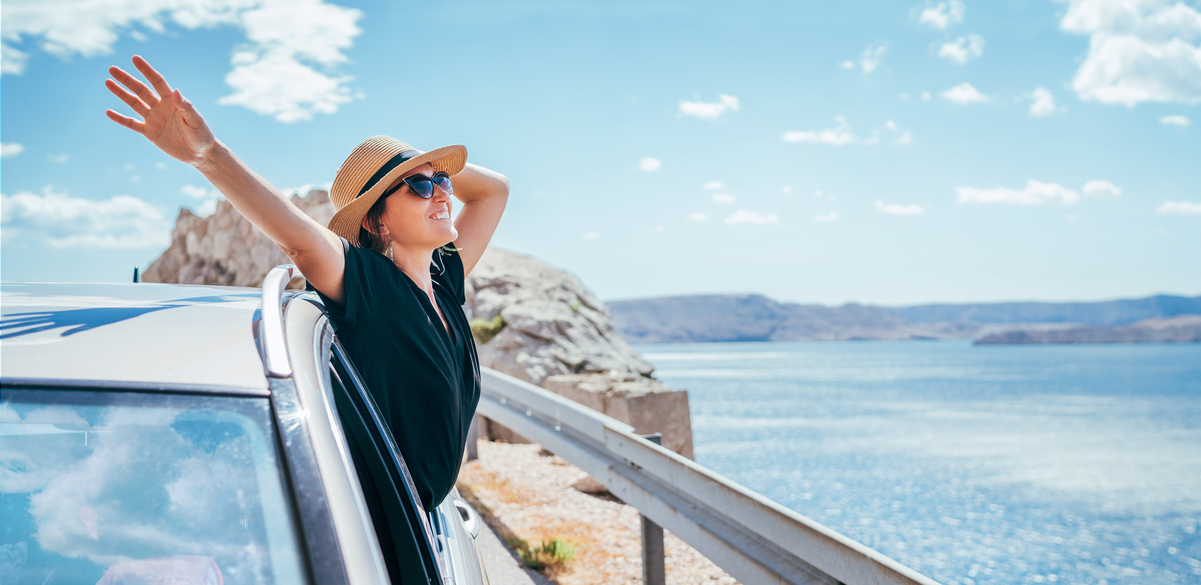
(58, 158)
(160, 166)
(897, 208)
(11, 149)
(904, 139)
(744, 216)
(12, 61)
(275, 73)
(660, 229)
(943, 14)
(847, 65)
(871, 58)
(714, 185)
(1034, 193)
(1138, 51)
(1101, 188)
(1180, 208)
(904, 97)
(591, 235)
(963, 94)
(723, 198)
(839, 135)
(786, 189)
(1044, 102)
(198, 192)
(62, 221)
(1181, 121)
(926, 96)
(962, 50)
(649, 164)
(698, 216)
(832, 216)
(710, 110)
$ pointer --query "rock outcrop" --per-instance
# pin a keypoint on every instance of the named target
(558, 335)
(224, 248)
(552, 331)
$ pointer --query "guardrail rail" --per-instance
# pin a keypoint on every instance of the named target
(754, 539)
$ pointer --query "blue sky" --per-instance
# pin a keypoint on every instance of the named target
(883, 152)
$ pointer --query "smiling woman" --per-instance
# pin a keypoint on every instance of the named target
(390, 266)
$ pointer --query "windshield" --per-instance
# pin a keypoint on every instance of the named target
(113, 487)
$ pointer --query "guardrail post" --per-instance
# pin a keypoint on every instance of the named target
(654, 571)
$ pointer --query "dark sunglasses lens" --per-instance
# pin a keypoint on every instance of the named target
(443, 182)
(421, 185)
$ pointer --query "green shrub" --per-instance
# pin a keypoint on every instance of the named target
(552, 556)
(485, 329)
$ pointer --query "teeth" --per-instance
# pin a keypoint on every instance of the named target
(442, 215)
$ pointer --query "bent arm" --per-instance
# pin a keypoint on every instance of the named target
(484, 194)
(315, 250)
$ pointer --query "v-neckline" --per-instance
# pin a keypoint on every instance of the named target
(439, 312)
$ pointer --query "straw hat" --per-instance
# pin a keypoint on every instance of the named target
(371, 168)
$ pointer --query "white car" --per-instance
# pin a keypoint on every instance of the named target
(154, 433)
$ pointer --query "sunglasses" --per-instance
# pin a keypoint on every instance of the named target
(423, 186)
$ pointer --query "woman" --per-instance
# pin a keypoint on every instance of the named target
(390, 265)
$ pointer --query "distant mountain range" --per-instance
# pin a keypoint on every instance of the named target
(700, 318)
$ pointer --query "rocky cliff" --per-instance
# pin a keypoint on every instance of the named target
(533, 321)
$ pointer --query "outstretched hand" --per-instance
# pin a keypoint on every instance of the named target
(169, 120)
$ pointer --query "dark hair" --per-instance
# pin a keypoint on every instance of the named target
(371, 238)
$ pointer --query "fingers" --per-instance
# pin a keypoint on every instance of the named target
(126, 121)
(155, 79)
(132, 83)
(139, 107)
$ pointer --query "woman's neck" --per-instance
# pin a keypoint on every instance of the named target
(415, 263)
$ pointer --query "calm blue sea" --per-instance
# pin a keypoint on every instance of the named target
(971, 464)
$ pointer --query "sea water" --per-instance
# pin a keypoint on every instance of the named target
(970, 464)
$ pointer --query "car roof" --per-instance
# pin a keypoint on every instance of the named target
(153, 336)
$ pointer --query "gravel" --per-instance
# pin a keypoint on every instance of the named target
(526, 492)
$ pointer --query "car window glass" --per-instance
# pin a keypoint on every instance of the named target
(113, 487)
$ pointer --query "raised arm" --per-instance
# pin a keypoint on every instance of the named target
(484, 194)
(172, 123)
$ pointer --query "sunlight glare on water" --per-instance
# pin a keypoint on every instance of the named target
(970, 464)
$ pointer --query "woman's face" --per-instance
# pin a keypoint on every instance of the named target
(416, 222)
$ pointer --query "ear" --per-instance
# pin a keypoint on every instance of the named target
(367, 226)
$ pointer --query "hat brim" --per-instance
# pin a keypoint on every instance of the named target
(348, 220)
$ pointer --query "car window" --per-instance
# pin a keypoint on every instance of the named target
(116, 487)
(391, 500)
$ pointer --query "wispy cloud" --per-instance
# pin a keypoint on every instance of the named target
(897, 208)
(1180, 208)
(723, 198)
(1138, 51)
(1181, 121)
(649, 164)
(826, 217)
(590, 235)
(58, 158)
(62, 221)
(744, 216)
(283, 71)
(942, 14)
(871, 58)
(1043, 102)
(714, 185)
(11, 149)
(839, 135)
(1101, 188)
(710, 110)
(962, 50)
(964, 94)
(207, 198)
(698, 216)
(1034, 193)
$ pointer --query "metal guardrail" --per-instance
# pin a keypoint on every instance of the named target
(751, 537)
